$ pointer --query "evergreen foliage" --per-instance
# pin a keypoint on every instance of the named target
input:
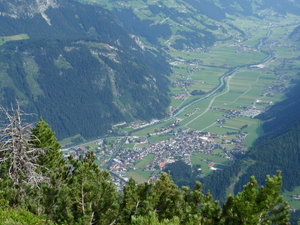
(197, 92)
(45, 138)
(80, 193)
(183, 174)
(85, 196)
(257, 205)
(12, 216)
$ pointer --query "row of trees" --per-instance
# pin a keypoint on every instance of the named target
(38, 182)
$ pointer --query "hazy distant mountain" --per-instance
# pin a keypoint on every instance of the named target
(184, 24)
(80, 70)
(28, 8)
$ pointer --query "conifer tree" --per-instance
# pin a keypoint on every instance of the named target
(167, 201)
(86, 196)
(45, 138)
(257, 205)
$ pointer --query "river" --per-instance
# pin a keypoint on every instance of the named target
(222, 79)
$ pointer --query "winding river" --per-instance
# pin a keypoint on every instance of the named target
(222, 83)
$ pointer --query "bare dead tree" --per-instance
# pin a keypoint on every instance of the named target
(17, 150)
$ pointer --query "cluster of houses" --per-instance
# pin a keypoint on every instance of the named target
(181, 96)
(277, 88)
(296, 197)
(184, 84)
(143, 124)
(249, 112)
(184, 144)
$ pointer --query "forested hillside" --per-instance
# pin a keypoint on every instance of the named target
(81, 71)
(78, 84)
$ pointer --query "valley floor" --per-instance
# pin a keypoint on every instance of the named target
(205, 129)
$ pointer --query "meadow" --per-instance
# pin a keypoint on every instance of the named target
(145, 161)
(13, 38)
(138, 175)
(295, 204)
(204, 160)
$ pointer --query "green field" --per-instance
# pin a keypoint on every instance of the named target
(13, 38)
(68, 141)
(176, 102)
(218, 151)
(295, 204)
(141, 145)
(214, 158)
(145, 161)
(129, 145)
(138, 175)
(159, 138)
(197, 160)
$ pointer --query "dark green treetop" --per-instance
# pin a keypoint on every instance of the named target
(45, 138)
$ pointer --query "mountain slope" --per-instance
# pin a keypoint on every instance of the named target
(192, 23)
(80, 70)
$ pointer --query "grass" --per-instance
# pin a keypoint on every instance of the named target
(218, 151)
(31, 68)
(91, 144)
(68, 141)
(150, 129)
(131, 145)
(295, 204)
(214, 158)
(254, 130)
(175, 102)
(141, 145)
(61, 62)
(13, 38)
(204, 165)
(145, 161)
(197, 160)
(159, 138)
(139, 176)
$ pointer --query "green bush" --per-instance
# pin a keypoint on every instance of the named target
(11, 216)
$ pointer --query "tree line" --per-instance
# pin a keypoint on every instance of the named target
(39, 186)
